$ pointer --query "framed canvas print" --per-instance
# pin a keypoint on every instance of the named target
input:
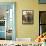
(27, 17)
(42, 1)
(7, 20)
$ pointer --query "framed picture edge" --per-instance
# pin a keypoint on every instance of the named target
(33, 18)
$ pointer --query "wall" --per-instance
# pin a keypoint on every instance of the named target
(28, 31)
(42, 7)
(31, 30)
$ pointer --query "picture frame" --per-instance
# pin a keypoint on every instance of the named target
(27, 17)
(42, 1)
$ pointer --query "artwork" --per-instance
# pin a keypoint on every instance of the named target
(27, 17)
(42, 1)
